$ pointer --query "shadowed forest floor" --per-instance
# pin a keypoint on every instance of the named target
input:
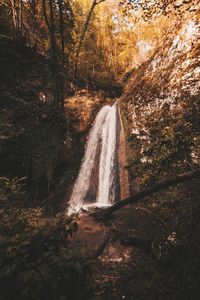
(142, 255)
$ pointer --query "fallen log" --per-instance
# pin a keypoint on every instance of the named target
(104, 214)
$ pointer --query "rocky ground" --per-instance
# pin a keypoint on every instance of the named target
(85, 105)
(141, 254)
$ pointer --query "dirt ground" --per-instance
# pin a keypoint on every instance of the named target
(120, 271)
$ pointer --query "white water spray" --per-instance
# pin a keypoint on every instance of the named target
(97, 184)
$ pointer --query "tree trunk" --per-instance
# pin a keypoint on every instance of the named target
(52, 34)
(17, 17)
(56, 63)
(21, 17)
(14, 14)
(61, 29)
(34, 7)
(82, 36)
(160, 185)
(44, 11)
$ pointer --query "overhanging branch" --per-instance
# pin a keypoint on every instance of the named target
(160, 185)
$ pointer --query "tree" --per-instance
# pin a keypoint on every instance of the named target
(158, 186)
(54, 15)
(85, 28)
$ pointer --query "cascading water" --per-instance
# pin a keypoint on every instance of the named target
(97, 184)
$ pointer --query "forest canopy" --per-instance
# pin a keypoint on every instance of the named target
(59, 28)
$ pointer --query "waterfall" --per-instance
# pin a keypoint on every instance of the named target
(97, 184)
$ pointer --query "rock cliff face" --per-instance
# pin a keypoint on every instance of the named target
(161, 101)
(161, 113)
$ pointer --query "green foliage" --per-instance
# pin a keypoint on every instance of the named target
(171, 141)
(35, 144)
(11, 191)
(37, 259)
(36, 138)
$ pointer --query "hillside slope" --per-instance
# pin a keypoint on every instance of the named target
(161, 112)
(31, 144)
(161, 102)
